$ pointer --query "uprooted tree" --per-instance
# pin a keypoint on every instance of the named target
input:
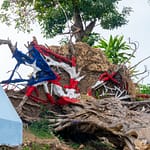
(60, 83)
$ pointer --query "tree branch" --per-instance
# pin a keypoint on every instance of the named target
(90, 27)
(10, 45)
(139, 63)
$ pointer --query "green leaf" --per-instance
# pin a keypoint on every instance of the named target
(114, 49)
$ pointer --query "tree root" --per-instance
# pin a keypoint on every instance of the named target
(106, 118)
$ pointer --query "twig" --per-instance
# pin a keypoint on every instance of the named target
(136, 46)
(145, 70)
(143, 78)
(139, 63)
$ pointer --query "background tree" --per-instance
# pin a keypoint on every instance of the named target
(81, 16)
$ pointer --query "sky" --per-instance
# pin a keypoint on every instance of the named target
(137, 29)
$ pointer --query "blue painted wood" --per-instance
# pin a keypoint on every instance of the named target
(11, 126)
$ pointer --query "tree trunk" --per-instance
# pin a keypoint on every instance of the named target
(77, 28)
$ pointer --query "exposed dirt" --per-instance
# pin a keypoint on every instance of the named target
(54, 143)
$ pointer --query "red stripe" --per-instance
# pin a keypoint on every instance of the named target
(106, 76)
(47, 52)
(66, 100)
(29, 90)
(38, 100)
(89, 92)
(50, 98)
(73, 85)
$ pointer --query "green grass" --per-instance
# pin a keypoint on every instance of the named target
(36, 146)
(41, 129)
(144, 89)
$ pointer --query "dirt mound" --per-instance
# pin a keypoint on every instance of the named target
(92, 62)
(87, 58)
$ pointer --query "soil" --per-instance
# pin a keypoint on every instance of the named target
(54, 143)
